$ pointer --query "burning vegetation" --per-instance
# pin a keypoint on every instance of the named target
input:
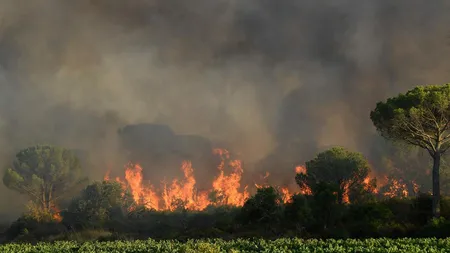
(226, 189)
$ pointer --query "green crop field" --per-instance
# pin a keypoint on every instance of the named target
(280, 245)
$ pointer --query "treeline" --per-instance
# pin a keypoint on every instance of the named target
(337, 199)
(101, 213)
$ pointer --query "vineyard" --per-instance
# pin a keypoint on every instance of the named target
(280, 245)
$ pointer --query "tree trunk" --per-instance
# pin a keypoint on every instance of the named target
(436, 185)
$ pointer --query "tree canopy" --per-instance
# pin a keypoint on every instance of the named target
(265, 206)
(44, 173)
(420, 117)
(98, 203)
(341, 168)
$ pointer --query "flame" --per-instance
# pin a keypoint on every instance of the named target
(345, 197)
(143, 195)
(286, 195)
(368, 184)
(226, 187)
(305, 189)
(366, 181)
(106, 177)
(56, 213)
(391, 187)
(300, 169)
(396, 188)
(185, 191)
(416, 187)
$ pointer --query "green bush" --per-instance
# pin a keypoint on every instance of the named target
(28, 229)
(298, 214)
(404, 245)
(445, 207)
(421, 209)
(366, 220)
(101, 205)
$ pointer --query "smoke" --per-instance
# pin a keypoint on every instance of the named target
(275, 81)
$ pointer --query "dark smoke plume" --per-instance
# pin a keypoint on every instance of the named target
(275, 81)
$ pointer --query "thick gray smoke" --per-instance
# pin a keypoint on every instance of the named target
(275, 81)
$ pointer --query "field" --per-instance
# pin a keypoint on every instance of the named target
(280, 245)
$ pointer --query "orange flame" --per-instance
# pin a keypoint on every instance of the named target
(300, 169)
(286, 195)
(345, 197)
(285, 192)
(228, 186)
(56, 214)
(396, 188)
(184, 192)
(416, 187)
(106, 177)
(305, 190)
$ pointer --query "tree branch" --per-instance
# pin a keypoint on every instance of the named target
(418, 134)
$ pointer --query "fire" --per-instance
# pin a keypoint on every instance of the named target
(225, 187)
(184, 191)
(366, 181)
(345, 197)
(286, 195)
(416, 187)
(300, 169)
(56, 213)
(106, 177)
(305, 189)
(396, 188)
(368, 186)
(285, 192)
(391, 187)
(141, 194)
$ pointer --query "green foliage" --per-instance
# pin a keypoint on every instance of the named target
(45, 173)
(265, 207)
(417, 117)
(422, 209)
(445, 207)
(30, 230)
(421, 118)
(298, 213)
(37, 213)
(99, 203)
(338, 168)
(367, 219)
(326, 208)
(400, 208)
(84, 236)
(405, 245)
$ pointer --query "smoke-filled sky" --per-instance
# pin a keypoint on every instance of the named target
(274, 80)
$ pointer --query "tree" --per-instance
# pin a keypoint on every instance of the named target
(98, 203)
(264, 208)
(420, 117)
(338, 167)
(45, 173)
(298, 213)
